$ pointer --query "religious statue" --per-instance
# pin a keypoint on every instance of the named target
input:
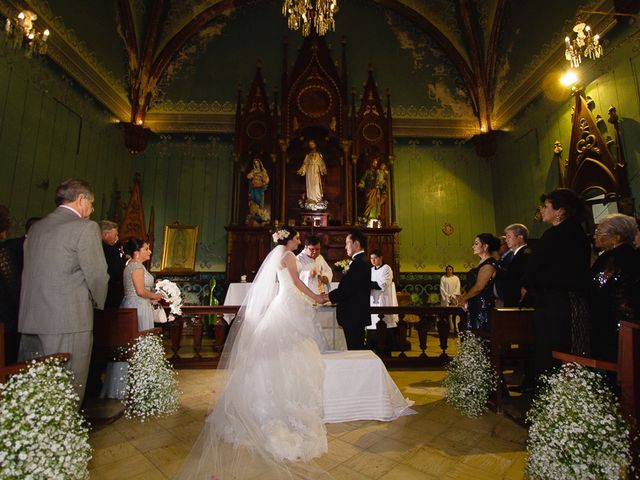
(312, 169)
(374, 182)
(258, 183)
(368, 183)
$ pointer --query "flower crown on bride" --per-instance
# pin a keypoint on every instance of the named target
(280, 235)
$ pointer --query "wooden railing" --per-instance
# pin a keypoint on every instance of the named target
(420, 319)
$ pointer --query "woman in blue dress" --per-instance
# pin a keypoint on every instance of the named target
(479, 297)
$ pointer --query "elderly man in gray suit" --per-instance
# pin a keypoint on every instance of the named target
(64, 278)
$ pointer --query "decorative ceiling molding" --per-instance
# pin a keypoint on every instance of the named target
(475, 65)
(225, 123)
(85, 74)
(74, 58)
(530, 86)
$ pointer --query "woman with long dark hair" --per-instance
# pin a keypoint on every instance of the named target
(479, 292)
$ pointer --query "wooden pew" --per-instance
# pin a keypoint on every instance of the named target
(509, 326)
(7, 370)
(627, 370)
(115, 328)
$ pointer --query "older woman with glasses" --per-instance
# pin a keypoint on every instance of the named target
(614, 286)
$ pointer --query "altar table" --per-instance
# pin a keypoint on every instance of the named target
(357, 386)
(325, 316)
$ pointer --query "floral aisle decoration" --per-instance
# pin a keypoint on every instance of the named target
(343, 265)
(42, 435)
(152, 385)
(577, 430)
(471, 377)
(172, 294)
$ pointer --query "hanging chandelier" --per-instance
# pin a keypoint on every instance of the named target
(302, 14)
(21, 31)
(584, 44)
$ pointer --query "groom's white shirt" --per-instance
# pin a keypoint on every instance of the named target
(320, 265)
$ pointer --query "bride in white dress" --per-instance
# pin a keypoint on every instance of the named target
(267, 422)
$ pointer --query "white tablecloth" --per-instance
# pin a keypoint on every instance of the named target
(357, 386)
(325, 316)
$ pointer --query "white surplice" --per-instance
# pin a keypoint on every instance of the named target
(321, 268)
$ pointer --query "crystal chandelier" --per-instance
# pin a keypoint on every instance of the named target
(584, 44)
(301, 14)
(21, 31)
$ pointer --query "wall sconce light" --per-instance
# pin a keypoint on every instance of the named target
(569, 79)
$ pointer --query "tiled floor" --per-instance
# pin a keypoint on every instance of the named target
(437, 443)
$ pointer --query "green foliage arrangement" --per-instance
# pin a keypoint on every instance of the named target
(471, 377)
(42, 435)
(577, 430)
(152, 386)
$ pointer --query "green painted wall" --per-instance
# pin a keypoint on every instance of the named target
(50, 131)
(523, 167)
(188, 180)
(440, 182)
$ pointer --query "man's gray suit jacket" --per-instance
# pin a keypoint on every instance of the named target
(64, 277)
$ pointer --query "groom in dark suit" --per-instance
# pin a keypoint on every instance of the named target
(352, 294)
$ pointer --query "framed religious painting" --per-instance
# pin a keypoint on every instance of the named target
(179, 248)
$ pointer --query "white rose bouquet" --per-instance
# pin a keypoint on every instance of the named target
(42, 435)
(172, 294)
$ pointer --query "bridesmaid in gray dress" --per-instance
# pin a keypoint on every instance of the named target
(138, 294)
(138, 283)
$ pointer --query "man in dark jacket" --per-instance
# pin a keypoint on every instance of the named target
(515, 290)
(352, 294)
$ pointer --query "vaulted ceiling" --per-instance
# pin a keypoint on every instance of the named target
(454, 68)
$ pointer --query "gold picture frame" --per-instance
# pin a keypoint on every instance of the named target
(179, 248)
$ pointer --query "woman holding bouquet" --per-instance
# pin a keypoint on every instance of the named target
(138, 283)
(267, 421)
(138, 294)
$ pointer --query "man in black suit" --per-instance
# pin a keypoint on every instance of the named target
(515, 289)
(352, 294)
(115, 263)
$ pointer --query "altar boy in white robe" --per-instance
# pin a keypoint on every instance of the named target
(383, 294)
(315, 271)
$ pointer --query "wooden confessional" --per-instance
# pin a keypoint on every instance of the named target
(595, 167)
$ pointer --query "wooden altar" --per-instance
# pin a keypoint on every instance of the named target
(316, 115)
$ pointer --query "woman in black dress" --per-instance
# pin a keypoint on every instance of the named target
(558, 276)
(614, 286)
(479, 289)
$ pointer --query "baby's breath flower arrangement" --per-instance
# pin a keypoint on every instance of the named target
(152, 385)
(42, 435)
(577, 430)
(471, 377)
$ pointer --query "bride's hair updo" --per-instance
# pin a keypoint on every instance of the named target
(283, 235)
